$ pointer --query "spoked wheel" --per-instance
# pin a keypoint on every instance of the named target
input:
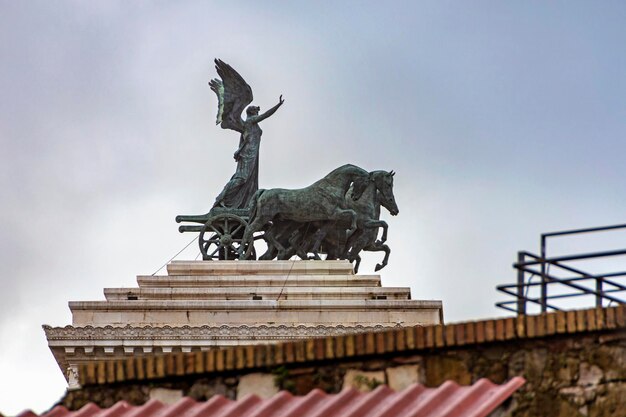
(221, 238)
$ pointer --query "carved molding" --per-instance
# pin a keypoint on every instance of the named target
(223, 332)
(72, 377)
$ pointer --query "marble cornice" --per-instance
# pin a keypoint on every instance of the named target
(203, 332)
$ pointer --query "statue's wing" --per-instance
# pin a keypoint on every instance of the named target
(233, 95)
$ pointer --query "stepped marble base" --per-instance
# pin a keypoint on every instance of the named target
(201, 305)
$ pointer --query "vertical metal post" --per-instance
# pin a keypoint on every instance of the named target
(599, 282)
(543, 299)
(521, 298)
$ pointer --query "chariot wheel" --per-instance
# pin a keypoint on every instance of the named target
(221, 238)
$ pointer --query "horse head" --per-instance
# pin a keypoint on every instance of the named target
(359, 185)
(384, 184)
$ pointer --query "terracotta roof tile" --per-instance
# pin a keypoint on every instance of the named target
(448, 400)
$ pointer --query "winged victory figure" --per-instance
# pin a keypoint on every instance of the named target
(233, 95)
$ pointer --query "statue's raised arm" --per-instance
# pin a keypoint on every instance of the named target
(233, 95)
(261, 117)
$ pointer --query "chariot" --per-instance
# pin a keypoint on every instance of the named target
(221, 233)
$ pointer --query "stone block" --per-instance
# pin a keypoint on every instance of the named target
(589, 375)
(612, 359)
(568, 371)
(535, 363)
(575, 395)
(166, 396)
(362, 380)
(610, 404)
(260, 384)
(204, 389)
(400, 377)
(439, 369)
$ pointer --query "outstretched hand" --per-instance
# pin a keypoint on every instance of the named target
(280, 100)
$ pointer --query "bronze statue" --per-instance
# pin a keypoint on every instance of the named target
(233, 95)
(338, 216)
(323, 200)
(330, 237)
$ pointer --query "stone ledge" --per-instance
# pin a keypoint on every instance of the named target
(110, 333)
(273, 280)
(259, 267)
(254, 305)
(356, 345)
(268, 293)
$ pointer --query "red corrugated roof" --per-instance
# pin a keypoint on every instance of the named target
(448, 400)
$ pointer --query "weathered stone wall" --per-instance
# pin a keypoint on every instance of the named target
(573, 368)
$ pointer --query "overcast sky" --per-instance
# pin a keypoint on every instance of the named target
(503, 120)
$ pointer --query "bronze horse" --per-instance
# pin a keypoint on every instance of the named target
(330, 237)
(323, 200)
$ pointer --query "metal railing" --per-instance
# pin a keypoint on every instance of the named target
(603, 287)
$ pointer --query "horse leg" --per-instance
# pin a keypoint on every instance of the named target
(297, 244)
(247, 239)
(356, 245)
(383, 239)
(272, 240)
(353, 241)
(370, 224)
(332, 246)
(271, 249)
(377, 248)
(319, 235)
(331, 252)
(357, 263)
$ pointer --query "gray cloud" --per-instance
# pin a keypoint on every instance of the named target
(503, 121)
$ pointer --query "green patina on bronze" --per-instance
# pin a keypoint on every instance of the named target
(338, 216)
(233, 95)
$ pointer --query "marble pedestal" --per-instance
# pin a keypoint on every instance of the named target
(203, 304)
